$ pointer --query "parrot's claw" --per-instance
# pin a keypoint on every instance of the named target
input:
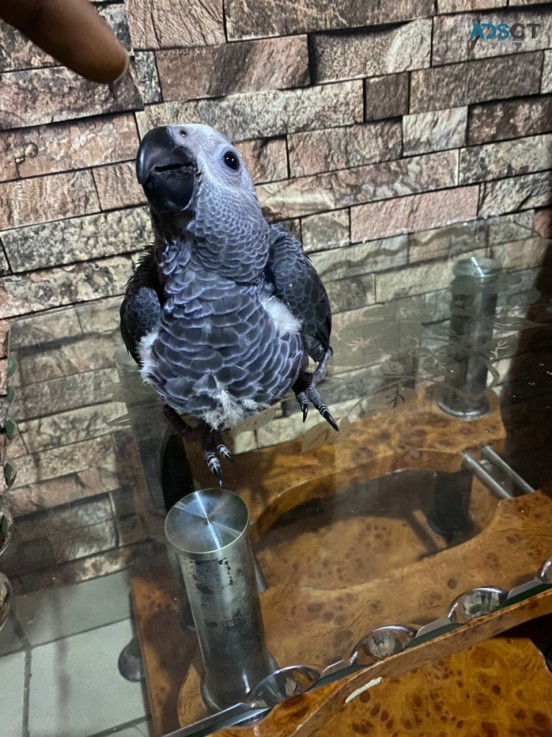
(223, 451)
(317, 402)
(213, 465)
(306, 391)
(304, 404)
(211, 442)
(213, 447)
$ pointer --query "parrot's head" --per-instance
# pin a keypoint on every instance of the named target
(193, 169)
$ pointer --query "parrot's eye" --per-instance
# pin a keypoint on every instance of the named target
(231, 160)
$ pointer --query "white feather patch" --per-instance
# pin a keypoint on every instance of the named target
(230, 411)
(147, 362)
(284, 322)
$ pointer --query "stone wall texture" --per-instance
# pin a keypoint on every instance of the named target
(365, 125)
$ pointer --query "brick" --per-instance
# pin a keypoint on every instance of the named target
(516, 193)
(64, 393)
(413, 280)
(212, 71)
(73, 517)
(506, 228)
(40, 199)
(326, 230)
(343, 148)
(73, 544)
(147, 77)
(58, 147)
(54, 492)
(475, 81)
(168, 24)
(372, 53)
(524, 254)
(27, 556)
(261, 18)
(115, 16)
(17, 52)
(266, 159)
(131, 530)
(408, 214)
(547, 72)
(267, 113)
(4, 328)
(387, 97)
(40, 330)
(446, 243)
(457, 6)
(450, 36)
(497, 121)
(117, 186)
(59, 94)
(102, 315)
(339, 189)
(88, 353)
(42, 290)
(505, 159)
(84, 569)
(64, 428)
(66, 241)
(434, 131)
(456, 239)
(4, 265)
(3, 389)
(57, 462)
(360, 259)
(351, 292)
(543, 222)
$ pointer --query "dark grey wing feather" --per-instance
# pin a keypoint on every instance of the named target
(297, 284)
(141, 307)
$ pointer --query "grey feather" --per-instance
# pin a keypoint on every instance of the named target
(224, 311)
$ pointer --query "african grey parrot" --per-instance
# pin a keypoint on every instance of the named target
(223, 311)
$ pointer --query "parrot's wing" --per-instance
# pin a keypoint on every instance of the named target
(297, 284)
(141, 307)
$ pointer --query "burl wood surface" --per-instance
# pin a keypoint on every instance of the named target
(311, 626)
(318, 627)
(362, 533)
(339, 704)
(498, 688)
(274, 480)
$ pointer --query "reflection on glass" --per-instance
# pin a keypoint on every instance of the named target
(354, 532)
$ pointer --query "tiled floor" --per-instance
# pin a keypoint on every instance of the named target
(58, 664)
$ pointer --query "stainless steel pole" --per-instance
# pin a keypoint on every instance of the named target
(208, 529)
(472, 315)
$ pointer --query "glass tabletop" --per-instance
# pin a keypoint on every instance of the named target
(441, 382)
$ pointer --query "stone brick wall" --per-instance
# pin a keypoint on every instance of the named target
(358, 120)
(365, 125)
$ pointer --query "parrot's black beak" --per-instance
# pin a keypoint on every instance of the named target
(167, 170)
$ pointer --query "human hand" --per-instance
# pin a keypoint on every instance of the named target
(72, 32)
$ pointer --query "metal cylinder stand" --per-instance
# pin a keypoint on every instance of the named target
(208, 530)
(449, 515)
(473, 309)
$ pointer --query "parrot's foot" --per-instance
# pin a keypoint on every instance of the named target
(212, 446)
(306, 391)
(209, 439)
